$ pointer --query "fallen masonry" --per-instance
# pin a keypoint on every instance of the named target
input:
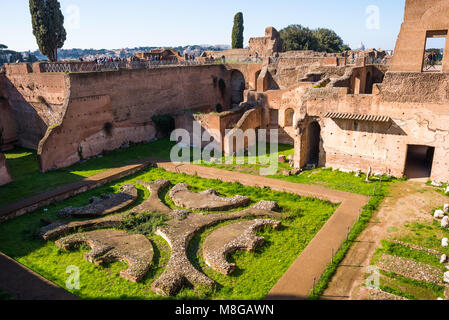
(237, 236)
(112, 245)
(208, 199)
(411, 269)
(180, 227)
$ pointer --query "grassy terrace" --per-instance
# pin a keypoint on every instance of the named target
(17, 236)
(256, 272)
(419, 234)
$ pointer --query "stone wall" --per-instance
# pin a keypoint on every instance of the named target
(418, 117)
(37, 102)
(266, 46)
(214, 123)
(5, 176)
(78, 115)
(230, 54)
(250, 72)
(294, 66)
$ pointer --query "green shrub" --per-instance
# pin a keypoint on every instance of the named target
(164, 123)
(144, 223)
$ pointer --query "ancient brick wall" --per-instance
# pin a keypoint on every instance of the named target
(418, 117)
(108, 109)
(421, 17)
(8, 134)
(250, 72)
(215, 123)
(416, 87)
(37, 102)
(293, 66)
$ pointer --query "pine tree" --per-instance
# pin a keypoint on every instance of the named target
(48, 26)
(237, 31)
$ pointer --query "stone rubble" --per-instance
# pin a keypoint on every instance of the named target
(205, 200)
(180, 228)
(112, 245)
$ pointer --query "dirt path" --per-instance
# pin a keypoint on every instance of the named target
(408, 201)
(32, 203)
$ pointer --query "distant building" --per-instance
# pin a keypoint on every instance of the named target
(159, 55)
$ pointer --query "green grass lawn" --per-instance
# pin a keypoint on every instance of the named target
(256, 271)
(325, 177)
(29, 181)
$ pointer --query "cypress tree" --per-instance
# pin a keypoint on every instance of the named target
(48, 26)
(237, 31)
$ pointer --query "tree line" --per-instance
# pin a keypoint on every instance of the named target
(296, 37)
(10, 56)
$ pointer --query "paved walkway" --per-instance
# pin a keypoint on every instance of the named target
(297, 282)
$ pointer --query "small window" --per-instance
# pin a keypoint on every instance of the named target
(433, 54)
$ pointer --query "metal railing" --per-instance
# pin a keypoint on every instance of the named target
(90, 66)
(378, 61)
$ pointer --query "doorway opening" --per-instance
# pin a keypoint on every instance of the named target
(314, 140)
(274, 117)
(419, 161)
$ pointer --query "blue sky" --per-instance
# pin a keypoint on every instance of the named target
(117, 23)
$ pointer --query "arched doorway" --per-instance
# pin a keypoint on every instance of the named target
(289, 117)
(238, 87)
(313, 143)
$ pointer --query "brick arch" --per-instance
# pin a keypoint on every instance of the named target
(238, 86)
(435, 17)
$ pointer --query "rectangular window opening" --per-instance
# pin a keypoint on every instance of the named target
(433, 54)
